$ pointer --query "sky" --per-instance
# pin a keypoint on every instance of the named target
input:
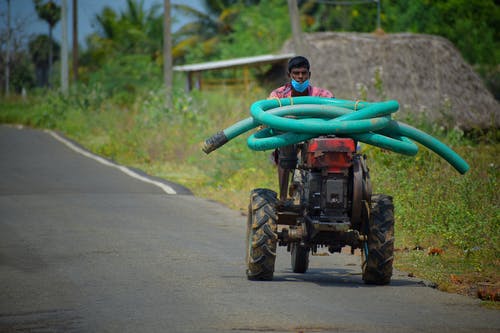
(24, 11)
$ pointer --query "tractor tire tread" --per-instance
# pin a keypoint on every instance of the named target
(261, 235)
(377, 268)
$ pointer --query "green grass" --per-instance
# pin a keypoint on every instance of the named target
(436, 207)
(438, 210)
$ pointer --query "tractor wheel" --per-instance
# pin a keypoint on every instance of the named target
(261, 235)
(300, 258)
(378, 251)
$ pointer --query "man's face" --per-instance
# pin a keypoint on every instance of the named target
(300, 74)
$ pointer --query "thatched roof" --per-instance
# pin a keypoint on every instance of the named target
(425, 73)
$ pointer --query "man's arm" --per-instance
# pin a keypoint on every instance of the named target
(319, 92)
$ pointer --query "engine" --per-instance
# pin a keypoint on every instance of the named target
(327, 179)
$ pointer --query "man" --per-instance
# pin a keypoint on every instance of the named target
(299, 74)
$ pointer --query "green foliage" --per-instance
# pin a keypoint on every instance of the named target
(125, 76)
(133, 31)
(198, 40)
(470, 25)
(38, 47)
(436, 206)
(261, 30)
(378, 83)
(21, 72)
(329, 17)
(49, 12)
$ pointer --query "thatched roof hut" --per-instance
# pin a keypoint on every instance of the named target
(425, 73)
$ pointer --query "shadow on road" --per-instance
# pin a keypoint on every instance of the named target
(331, 277)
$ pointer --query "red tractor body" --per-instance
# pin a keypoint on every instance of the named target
(332, 154)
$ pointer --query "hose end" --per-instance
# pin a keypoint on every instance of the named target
(214, 142)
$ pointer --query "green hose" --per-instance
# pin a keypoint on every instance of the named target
(290, 121)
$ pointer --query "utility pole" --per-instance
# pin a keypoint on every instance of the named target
(298, 43)
(75, 40)
(167, 53)
(64, 47)
(7, 61)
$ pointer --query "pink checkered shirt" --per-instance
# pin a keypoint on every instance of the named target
(286, 91)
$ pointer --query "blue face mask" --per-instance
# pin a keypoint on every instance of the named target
(300, 87)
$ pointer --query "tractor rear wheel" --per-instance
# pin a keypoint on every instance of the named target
(261, 235)
(378, 251)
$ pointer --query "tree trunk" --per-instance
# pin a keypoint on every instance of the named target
(167, 54)
(50, 57)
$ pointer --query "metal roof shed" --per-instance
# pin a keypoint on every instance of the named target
(196, 69)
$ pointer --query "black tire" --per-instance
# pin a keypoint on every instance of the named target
(261, 235)
(300, 258)
(377, 263)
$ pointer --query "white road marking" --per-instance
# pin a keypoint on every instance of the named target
(167, 189)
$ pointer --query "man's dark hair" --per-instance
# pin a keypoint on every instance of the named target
(298, 62)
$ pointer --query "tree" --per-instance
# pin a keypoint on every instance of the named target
(257, 30)
(167, 53)
(40, 50)
(51, 13)
(133, 31)
(354, 15)
(469, 24)
(199, 38)
(21, 71)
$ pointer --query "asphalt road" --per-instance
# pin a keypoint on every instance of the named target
(84, 247)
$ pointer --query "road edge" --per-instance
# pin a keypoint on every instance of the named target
(165, 186)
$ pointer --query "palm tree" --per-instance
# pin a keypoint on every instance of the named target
(207, 28)
(135, 30)
(51, 13)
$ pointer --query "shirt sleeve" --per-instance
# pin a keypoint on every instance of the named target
(325, 93)
(272, 95)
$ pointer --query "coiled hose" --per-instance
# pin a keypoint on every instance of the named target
(293, 120)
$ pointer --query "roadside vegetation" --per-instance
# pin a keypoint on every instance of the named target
(447, 224)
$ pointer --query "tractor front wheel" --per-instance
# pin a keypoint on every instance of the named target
(378, 251)
(261, 235)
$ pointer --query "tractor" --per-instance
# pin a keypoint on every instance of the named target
(327, 203)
